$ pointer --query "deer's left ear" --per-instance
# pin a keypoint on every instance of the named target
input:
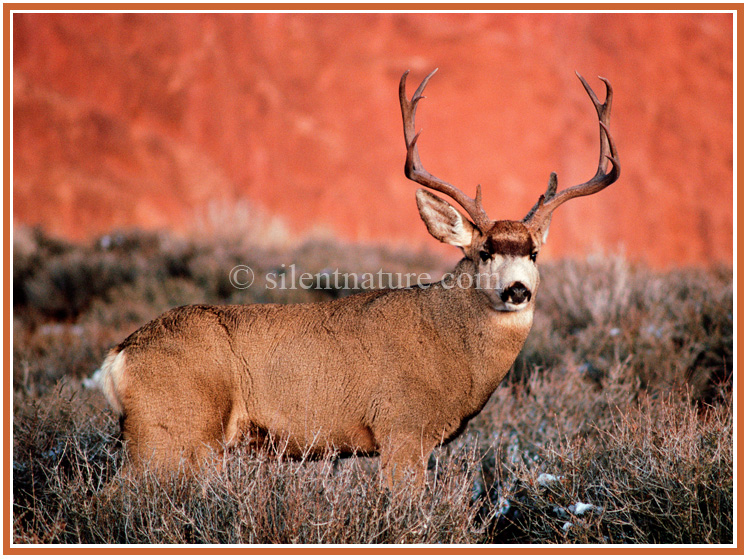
(444, 222)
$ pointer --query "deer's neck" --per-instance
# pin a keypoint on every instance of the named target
(487, 341)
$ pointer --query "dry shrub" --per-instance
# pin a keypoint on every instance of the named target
(675, 327)
(67, 492)
(662, 474)
(61, 447)
(622, 394)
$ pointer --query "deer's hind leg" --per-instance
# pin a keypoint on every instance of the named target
(403, 457)
(167, 424)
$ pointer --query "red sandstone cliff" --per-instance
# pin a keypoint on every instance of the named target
(142, 119)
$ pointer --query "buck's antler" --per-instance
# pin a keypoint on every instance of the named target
(541, 212)
(414, 169)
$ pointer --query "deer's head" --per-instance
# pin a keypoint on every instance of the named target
(501, 253)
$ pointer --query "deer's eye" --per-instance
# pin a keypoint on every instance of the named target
(484, 255)
(534, 256)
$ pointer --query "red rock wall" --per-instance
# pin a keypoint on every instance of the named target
(142, 119)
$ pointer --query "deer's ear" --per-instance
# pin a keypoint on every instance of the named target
(444, 222)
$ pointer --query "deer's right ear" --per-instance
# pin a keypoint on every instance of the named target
(444, 222)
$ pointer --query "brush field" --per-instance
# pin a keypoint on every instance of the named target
(615, 425)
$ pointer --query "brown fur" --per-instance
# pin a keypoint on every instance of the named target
(509, 238)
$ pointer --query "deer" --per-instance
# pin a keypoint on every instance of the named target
(391, 372)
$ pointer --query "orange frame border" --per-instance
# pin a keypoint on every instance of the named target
(394, 550)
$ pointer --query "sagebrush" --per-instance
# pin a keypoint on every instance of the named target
(621, 401)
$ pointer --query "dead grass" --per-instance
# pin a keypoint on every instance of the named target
(621, 400)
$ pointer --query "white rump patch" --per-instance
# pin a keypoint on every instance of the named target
(108, 379)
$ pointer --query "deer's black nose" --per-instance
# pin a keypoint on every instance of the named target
(516, 293)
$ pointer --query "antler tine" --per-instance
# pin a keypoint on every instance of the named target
(550, 192)
(549, 201)
(415, 171)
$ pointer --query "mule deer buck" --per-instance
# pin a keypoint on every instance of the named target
(394, 372)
